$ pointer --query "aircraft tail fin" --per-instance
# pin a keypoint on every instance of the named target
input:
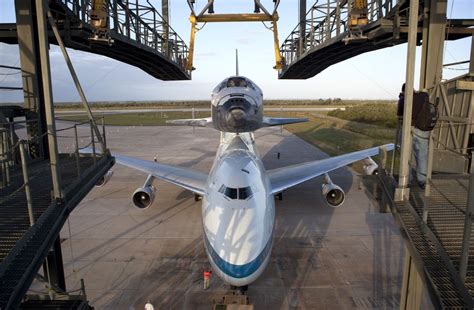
(278, 121)
(195, 122)
(236, 62)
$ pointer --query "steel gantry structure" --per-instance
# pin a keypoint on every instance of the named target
(332, 31)
(129, 31)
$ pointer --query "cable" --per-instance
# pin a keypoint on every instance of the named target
(373, 81)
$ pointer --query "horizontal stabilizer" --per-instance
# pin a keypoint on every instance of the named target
(195, 122)
(278, 121)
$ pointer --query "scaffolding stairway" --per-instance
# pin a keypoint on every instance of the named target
(23, 248)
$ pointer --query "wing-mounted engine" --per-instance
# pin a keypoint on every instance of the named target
(333, 194)
(106, 178)
(143, 197)
(370, 167)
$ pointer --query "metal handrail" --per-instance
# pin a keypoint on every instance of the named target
(140, 23)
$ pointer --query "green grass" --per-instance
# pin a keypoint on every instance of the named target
(382, 114)
(136, 119)
(206, 103)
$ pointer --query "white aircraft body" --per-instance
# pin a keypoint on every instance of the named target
(238, 211)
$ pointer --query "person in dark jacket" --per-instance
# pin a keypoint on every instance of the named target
(420, 141)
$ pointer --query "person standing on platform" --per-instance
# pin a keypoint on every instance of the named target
(424, 117)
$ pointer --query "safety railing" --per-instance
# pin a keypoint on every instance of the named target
(79, 149)
(141, 23)
(326, 20)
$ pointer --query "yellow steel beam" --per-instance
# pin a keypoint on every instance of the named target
(276, 44)
(221, 18)
(216, 18)
(189, 64)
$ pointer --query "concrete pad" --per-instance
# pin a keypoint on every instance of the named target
(323, 258)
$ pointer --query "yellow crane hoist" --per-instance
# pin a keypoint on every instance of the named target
(210, 17)
(99, 19)
(357, 13)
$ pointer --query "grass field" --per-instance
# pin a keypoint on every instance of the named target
(352, 130)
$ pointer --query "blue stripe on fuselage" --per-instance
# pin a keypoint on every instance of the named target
(239, 271)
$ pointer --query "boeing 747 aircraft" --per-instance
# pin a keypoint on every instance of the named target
(238, 211)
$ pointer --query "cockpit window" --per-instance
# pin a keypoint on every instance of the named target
(236, 82)
(221, 86)
(243, 193)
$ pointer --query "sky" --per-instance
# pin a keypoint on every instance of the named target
(374, 75)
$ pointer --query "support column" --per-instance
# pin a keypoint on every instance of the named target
(30, 67)
(434, 29)
(48, 97)
(402, 191)
(53, 266)
(412, 285)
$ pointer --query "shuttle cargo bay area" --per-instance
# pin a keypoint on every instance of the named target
(323, 257)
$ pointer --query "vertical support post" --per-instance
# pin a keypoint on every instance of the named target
(166, 25)
(429, 168)
(26, 181)
(30, 71)
(412, 286)
(467, 230)
(433, 44)
(276, 44)
(53, 266)
(402, 191)
(103, 134)
(471, 62)
(193, 20)
(93, 142)
(395, 148)
(48, 97)
(338, 18)
(115, 15)
(302, 19)
(76, 138)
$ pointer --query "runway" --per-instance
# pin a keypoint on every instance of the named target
(344, 258)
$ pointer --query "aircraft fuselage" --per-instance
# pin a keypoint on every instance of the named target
(238, 211)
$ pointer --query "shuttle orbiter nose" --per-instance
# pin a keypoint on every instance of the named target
(236, 117)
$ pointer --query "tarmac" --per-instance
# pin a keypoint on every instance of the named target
(323, 258)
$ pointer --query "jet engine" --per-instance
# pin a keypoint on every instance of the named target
(106, 178)
(143, 197)
(333, 194)
(370, 167)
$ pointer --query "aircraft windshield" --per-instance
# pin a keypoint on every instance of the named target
(236, 82)
(243, 193)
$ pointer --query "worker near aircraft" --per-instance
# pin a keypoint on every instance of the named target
(424, 117)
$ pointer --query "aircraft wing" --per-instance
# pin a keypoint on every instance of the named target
(197, 122)
(186, 178)
(278, 121)
(286, 177)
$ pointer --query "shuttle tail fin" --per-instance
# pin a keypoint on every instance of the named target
(236, 62)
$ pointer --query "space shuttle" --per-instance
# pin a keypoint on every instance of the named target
(238, 193)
